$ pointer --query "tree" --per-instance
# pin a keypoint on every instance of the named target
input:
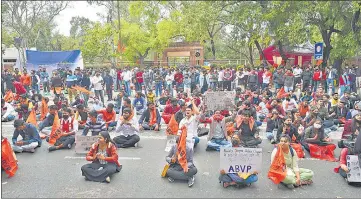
(79, 25)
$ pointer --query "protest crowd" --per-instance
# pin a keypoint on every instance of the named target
(299, 107)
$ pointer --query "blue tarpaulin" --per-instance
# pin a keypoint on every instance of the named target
(52, 60)
(51, 57)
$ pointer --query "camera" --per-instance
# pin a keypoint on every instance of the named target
(348, 143)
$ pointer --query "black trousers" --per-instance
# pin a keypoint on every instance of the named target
(126, 142)
(93, 172)
(70, 139)
(176, 172)
(227, 85)
(305, 85)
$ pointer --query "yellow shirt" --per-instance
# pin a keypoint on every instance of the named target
(150, 97)
(334, 102)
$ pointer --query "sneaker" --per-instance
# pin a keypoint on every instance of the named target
(69, 146)
(290, 186)
(191, 181)
(107, 179)
(52, 148)
(32, 151)
(273, 141)
(170, 179)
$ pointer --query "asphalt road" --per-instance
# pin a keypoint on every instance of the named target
(57, 175)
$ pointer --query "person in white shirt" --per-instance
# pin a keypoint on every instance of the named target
(7, 111)
(169, 79)
(128, 128)
(263, 112)
(191, 122)
(297, 73)
(289, 104)
(220, 79)
(127, 77)
(98, 82)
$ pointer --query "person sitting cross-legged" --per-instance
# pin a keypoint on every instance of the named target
(150, 119)
(7, 111)
(104, 158)
(248, 132)
(30, 135)
(128, 128)
(109, 115)
(69, 126)
(93, 124)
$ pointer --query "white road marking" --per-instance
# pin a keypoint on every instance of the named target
(120, 158)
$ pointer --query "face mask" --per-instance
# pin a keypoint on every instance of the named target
(317, 126)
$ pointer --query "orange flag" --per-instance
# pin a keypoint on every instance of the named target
(239, 120)
(44, 109)
(281, 93)
(82, 89)
(182, 149)
(32, 118)
(9, 96)
(172, 128)
(55, 130)
(8, 158)
(277, 172)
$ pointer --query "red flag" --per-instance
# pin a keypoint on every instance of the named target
(8, 158)
(55, 130)
(277, 172)
(182, 150)
(281, 93)
(32, 118)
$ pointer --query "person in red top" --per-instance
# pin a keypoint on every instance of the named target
(119, 79)
(104, 157)
(69, 127)
(178, 78)
(316, 79)
(109, 115)
(25, 80)
(139, 76)
(170, 109)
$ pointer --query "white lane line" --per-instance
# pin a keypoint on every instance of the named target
(120, 158)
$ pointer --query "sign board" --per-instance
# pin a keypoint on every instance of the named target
(353, 166)
(220, 100)
(84, 143)
(318, 51)
(239, 159)
(171, 139)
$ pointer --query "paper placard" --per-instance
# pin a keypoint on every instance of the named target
(84, 143)
(171, 140)
(238, 159)
(353, 166)
(220, 100)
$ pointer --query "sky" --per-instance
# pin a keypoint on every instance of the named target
(77, 8)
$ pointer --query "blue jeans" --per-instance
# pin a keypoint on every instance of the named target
(216, 144)
(9, 118)
(127, 87)
(138, 86)
(315, 85)
(112, 124)
(277, 86)
(196, 140)
(269, 135)
(264, 86)
(158, 89)
(36, 88)
(330, 82)
(343, 89)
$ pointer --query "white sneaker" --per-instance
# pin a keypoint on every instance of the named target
(107, 179)
(191, 181)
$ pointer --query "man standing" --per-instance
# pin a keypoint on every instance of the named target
(44, 78)
(25, 80)
(227, 79)
(97, 82)
(70, 82)
(306, 77)
(331, 76)
(297, 73)
(139, 76)
(35, 80)
(108, 80)
(358, 79)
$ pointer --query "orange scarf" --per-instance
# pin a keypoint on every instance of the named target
(32, 118)
(172, 126)
(239, 121)
(9, 97)
(182, 150)
(153, 117)
(277, 172)
(55, 133)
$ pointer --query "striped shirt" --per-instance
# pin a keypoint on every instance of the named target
(94, 128)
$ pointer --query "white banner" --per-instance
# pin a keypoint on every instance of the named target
(220, 100)
(84, 143)
(238, 159)
(353, 166)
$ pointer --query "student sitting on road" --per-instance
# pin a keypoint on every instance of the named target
(170, 109)
(128, 128)
(81, 116)
(24, 107)
(150, 119)
(7, 111)
(217, 136)
(273, 123)
(139, 103)
(30, 135)
(248, 132)
(191, 122)
(68, 127)
(287, 128)
(49, 120)
(316, 135)
(104, 157)
(293, 176)
(94, 125)
(175, 171)
(109, 115)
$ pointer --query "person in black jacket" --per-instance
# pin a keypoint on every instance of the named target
(273, 123)
(86, 84)
(150, 119)
(289, 129)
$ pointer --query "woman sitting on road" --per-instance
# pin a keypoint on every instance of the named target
(104, 157)
(292, 176)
